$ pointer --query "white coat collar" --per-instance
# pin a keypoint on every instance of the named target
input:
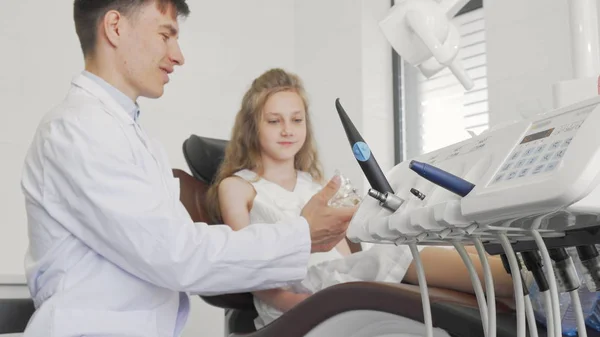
(94, 89)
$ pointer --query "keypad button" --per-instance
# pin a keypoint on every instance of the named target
(523, 172)
(537, 169)
(567, 142)
(511, 175)
(532, 160)
(499, 177)
(551, 166)
(547, 157)
(529, 151)
(539, 149)
(506, 167)
(560, 154)
(555, 145)
(515, 155)
(520, 163)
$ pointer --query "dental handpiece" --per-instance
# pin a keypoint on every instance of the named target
(363, 154)
(589, 257)
(506, 265)
(566, 273)
(442, 178)
(533, 263)
(387, 200)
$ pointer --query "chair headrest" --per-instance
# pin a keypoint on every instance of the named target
(203, 156)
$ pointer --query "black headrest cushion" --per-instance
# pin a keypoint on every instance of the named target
(204, 155)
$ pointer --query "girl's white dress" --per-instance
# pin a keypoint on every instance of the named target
(275, 204)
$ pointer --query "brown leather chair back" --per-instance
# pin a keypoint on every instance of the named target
(192, 193)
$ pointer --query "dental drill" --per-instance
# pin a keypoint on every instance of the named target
(590, 259)
(569, 281)
(527, 301)
(533, 263)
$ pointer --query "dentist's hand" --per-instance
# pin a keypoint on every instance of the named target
(327, 224)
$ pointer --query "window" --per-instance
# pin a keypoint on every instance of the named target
(437, 112)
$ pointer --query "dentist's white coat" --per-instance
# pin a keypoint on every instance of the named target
(112, 250)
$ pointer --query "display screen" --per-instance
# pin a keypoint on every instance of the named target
(537, 135)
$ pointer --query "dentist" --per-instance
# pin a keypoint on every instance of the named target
(112, 250)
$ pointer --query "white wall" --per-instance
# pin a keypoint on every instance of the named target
(333, 44)
(340, 53)
(377, 84)
(226, 45)
(38, 60)
(528, 49)
(328, 55)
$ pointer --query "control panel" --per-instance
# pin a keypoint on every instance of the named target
(543, 147)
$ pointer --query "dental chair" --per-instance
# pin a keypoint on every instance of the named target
(350, 309)
(14, 315)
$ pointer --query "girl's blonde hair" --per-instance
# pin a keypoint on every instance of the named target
(243, 150)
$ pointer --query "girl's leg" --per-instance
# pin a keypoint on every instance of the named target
(471, 250)
(445, 269)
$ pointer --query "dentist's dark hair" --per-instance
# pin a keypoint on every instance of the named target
(87, 14)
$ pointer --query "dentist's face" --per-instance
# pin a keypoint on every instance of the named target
(282, 129)
(149, 50)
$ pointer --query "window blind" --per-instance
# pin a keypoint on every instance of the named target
(445, 111)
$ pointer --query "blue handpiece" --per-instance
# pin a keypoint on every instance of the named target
(442, 178)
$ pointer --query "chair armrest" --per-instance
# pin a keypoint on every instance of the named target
(15, 314)
(240, 301)
(398, 299)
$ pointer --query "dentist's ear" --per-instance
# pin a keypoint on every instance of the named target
(111, 27)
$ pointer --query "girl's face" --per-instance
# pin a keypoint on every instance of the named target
(282, 129)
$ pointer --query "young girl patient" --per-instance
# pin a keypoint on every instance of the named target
(270, 171)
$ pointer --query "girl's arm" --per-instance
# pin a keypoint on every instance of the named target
(235, 199)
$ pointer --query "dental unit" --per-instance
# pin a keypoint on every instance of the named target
(527, 191)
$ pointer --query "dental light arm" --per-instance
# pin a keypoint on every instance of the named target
(422, 33)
